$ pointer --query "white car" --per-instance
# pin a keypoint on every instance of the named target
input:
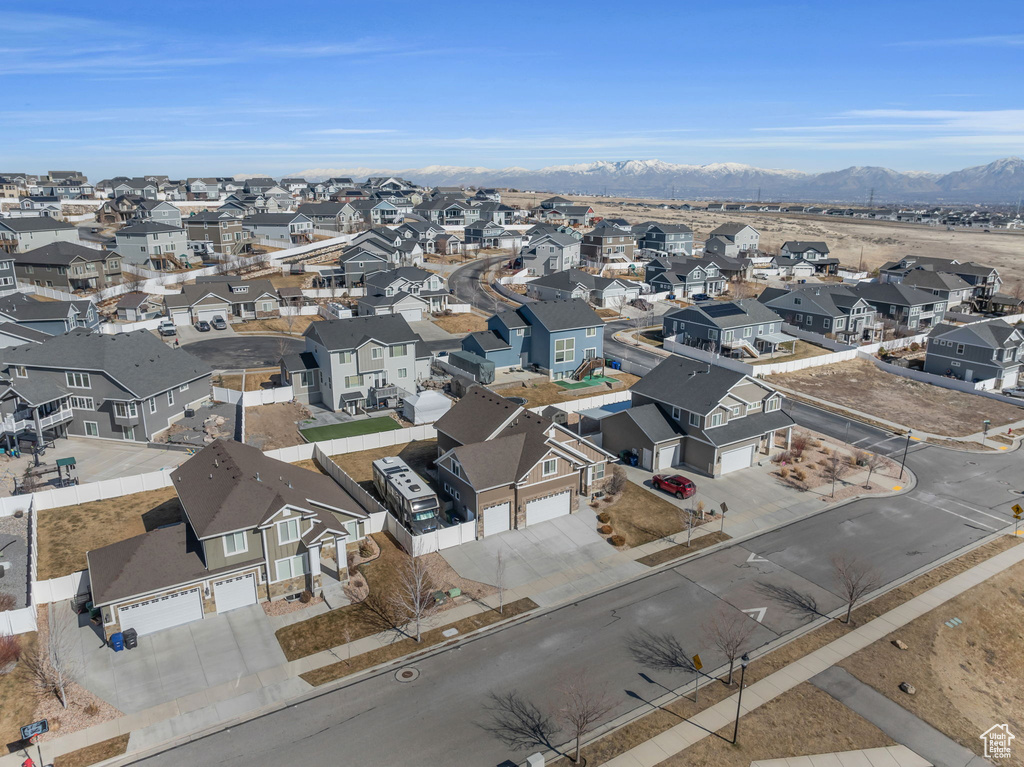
(1018, 392)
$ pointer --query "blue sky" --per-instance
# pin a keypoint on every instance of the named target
(220, 88)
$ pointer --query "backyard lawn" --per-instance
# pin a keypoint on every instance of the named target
(461, 323)
(350, 429)
(801, 350)
(68, 532)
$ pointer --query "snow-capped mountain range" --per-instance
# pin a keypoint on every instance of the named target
(1001, 181)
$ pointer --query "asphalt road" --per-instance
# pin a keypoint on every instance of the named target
(236, 352)
(440, 717)
(466, 284)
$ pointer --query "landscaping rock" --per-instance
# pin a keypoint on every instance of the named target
(900, 644)
(908, 688)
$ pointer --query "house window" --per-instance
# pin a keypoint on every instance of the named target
(376, 353)
(128, 433)
(353, 382)
(955, 363)
(591, 332)
(549, 467)
(694, 419)
(771, 405)
(170, 397)
(235, 543)
(83, 403)
(152, 404)
(397, 351)
(78, 380)
(344, 358)
(290, 567)
(20, 371)
(125, 410)
(519, 331)
(456, 468)
(828, 323)
(403, 372)
(807, 319)
(715, 420)
(183, 387)
(92, 428)
(959, 348)
(677, 413)
(736, 411)
(565, 350)
(305, 379)
(288, 531)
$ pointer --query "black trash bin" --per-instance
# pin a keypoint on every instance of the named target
(131, 639)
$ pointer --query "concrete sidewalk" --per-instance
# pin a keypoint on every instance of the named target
(714, 718)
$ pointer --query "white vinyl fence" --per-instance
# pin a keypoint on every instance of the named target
(254, 398)
(460, 308)
(112, 328)
(333, 292)
(293, 311)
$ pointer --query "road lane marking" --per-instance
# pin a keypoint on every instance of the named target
(972, 508)
(757, 613)
(972, 521)
(756, 558)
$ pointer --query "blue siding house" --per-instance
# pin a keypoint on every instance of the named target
(553, 336)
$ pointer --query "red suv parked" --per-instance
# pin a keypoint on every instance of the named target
(677, 485)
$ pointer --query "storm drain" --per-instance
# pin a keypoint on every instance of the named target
(407, 674)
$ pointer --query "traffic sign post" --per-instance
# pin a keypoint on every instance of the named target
(30, 733)
(1018, 512)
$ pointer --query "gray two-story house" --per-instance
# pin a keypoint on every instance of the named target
(981, 351)
(18, 235)
(814, 252)
(984, 280)
(733, 239)
(685, 277)
(51, 317)
(216, 233)
(153, 245)
(670, 239)
(742, 328)
(825, 309)
(128, 386)
(549, 252)
(574, 283)
(251, 529)
(356, 363)
(68, 266)
(607, 246)
(901, 305)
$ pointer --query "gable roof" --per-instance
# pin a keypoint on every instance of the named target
(729, 314)
(802, 246)
(562, 314)
(891, 293)
(996, 334)
(60, 253)
(351, 333)
(688, 384)
(34, 224)
(569, 279)
(729, 229)
(148, 227)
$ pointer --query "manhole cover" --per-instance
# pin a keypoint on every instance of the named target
(972, 463)
(407, 674)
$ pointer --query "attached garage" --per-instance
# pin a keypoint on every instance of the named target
(734, 460)
(163, 612)
(412, 315)
(668, 456)
(232, 593)
(497, 519)
(208, 314)
(181, 317)
(549, 507)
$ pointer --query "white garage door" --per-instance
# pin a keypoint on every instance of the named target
(547, 508)
(181, 317)
(235, 592)
(162, 613)
(668, 457)
(496, 519)
(412, 315)
(209, 314)
(1010, 380)
(734, 460)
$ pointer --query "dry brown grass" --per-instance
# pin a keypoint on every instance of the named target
(269, 427)
(800, 722)
(255, 380)
(461, 323)
(17, 695)
(295, 325)
(419, 454)
(281, 280)
(68, 532)
(544, 392)
(641, 516)
(407, 646)
(801, 350)
(681, 549)
(97, 752)
(967, 677)
(859, 385)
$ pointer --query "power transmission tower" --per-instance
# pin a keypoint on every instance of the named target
(759, 194)
(871, 199)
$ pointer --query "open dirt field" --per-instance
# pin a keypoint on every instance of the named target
(461, 323)
(969, 676)
(544, 392)
(880, 241)
(269, 427)
(859, 385)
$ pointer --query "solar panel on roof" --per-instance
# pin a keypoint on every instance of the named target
(722, 310)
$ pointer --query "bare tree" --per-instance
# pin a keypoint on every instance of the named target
(499, 580)
(872, 461)
(835, 469)
(517, 722)
(413, 596)
(855, 578)
(638, 323)
(52, 665)
(581, 707)
(616, 303)
(660, 652)
(730, 632)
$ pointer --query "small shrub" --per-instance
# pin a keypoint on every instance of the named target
(700, 508)
(800, 475)
(617, 540)
(605, 529)
(92, 710)
(783, 457)
(10, 653)
(798, 444)
(604, 517)
(7, 601)
(365, 549)
(915, 346)
(826, 450)
(783, 472)
(616, 482)
(306, 597)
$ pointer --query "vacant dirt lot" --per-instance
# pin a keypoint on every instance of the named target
(293, 325)
(461, 323)
(269, 427)
(543, 392)
(66, 533)
(847, 238)
(859, 385)
(968, 677)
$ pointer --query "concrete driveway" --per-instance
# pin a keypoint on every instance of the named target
(188, 334)
(428, 331)
(174, 663)
(560, 559)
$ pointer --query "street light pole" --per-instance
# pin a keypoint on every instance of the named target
(739, 699)
(905, 449)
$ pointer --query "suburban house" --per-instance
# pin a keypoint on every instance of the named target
(231, 298)
(732, 239)
(136, 306)
(128, 386)
(328, 215)
(685, 277)
(492, 195)
(573, 283)
(67, 266)
(252, 529)
(608, 246)
(744, 327)
(813, 252)
(423, 232)
(559, 338)
(355, 264)
(952, 288)
(51, 317)
(825, 309)
(408, 290)
(153, 245)
(285, 228)
(216, 232)
(904, 306)
(357, 363)
(18, 235)
(509, 468)
(160, 211)
(448, 211)
(984, 280)
(487, 234)
(549, 252)
(497, 212)
(671, 239)
(711, 418)
(554, 202)
(117, 211)
(980, 351)
(137, 187)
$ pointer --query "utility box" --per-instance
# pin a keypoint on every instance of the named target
(535, 760)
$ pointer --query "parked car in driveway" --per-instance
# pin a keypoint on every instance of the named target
(701, 297)
(203, 326)
(218, 323)
(167, 328)
(1015, 392)
(675, 484)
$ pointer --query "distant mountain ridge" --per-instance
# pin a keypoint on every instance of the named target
(1001, 181)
